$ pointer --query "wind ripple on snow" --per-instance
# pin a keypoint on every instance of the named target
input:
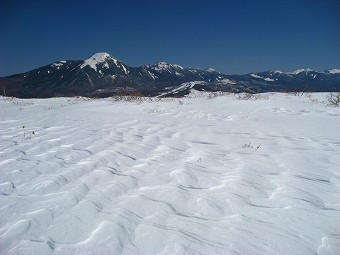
(207, 176)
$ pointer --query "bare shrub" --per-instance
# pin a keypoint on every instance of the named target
(136, 97)
(261, 96)
(249, 145)
(22, 102)
(162, 99)
(311, 98)
(214, 94)
(4, 98)
(333, 99)
(47, 108)
(250, 96)
(297, 91)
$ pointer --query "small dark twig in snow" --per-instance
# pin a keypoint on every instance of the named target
(247, 146)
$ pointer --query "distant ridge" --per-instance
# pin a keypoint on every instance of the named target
(103, 75)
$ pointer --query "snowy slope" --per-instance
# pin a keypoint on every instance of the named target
(188, 176)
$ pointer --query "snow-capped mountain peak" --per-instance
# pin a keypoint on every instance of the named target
(277, 72)
(211, 70)
(98, 58)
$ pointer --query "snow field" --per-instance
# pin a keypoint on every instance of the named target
(183, 176)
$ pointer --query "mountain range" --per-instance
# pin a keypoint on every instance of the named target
(103, 75)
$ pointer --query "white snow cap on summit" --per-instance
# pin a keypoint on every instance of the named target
(212, 70)
(97, 59)
(333, 71)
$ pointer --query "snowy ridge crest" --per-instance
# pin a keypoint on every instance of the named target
(101, 75)
(301, 71)
(163, 66)
(333, 71)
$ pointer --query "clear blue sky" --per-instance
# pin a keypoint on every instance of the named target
(234, 37)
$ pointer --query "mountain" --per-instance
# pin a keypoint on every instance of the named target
(103, 75)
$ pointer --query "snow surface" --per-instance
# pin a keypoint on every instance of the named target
(179, 176)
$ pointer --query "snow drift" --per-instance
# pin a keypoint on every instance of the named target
(188, 176)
